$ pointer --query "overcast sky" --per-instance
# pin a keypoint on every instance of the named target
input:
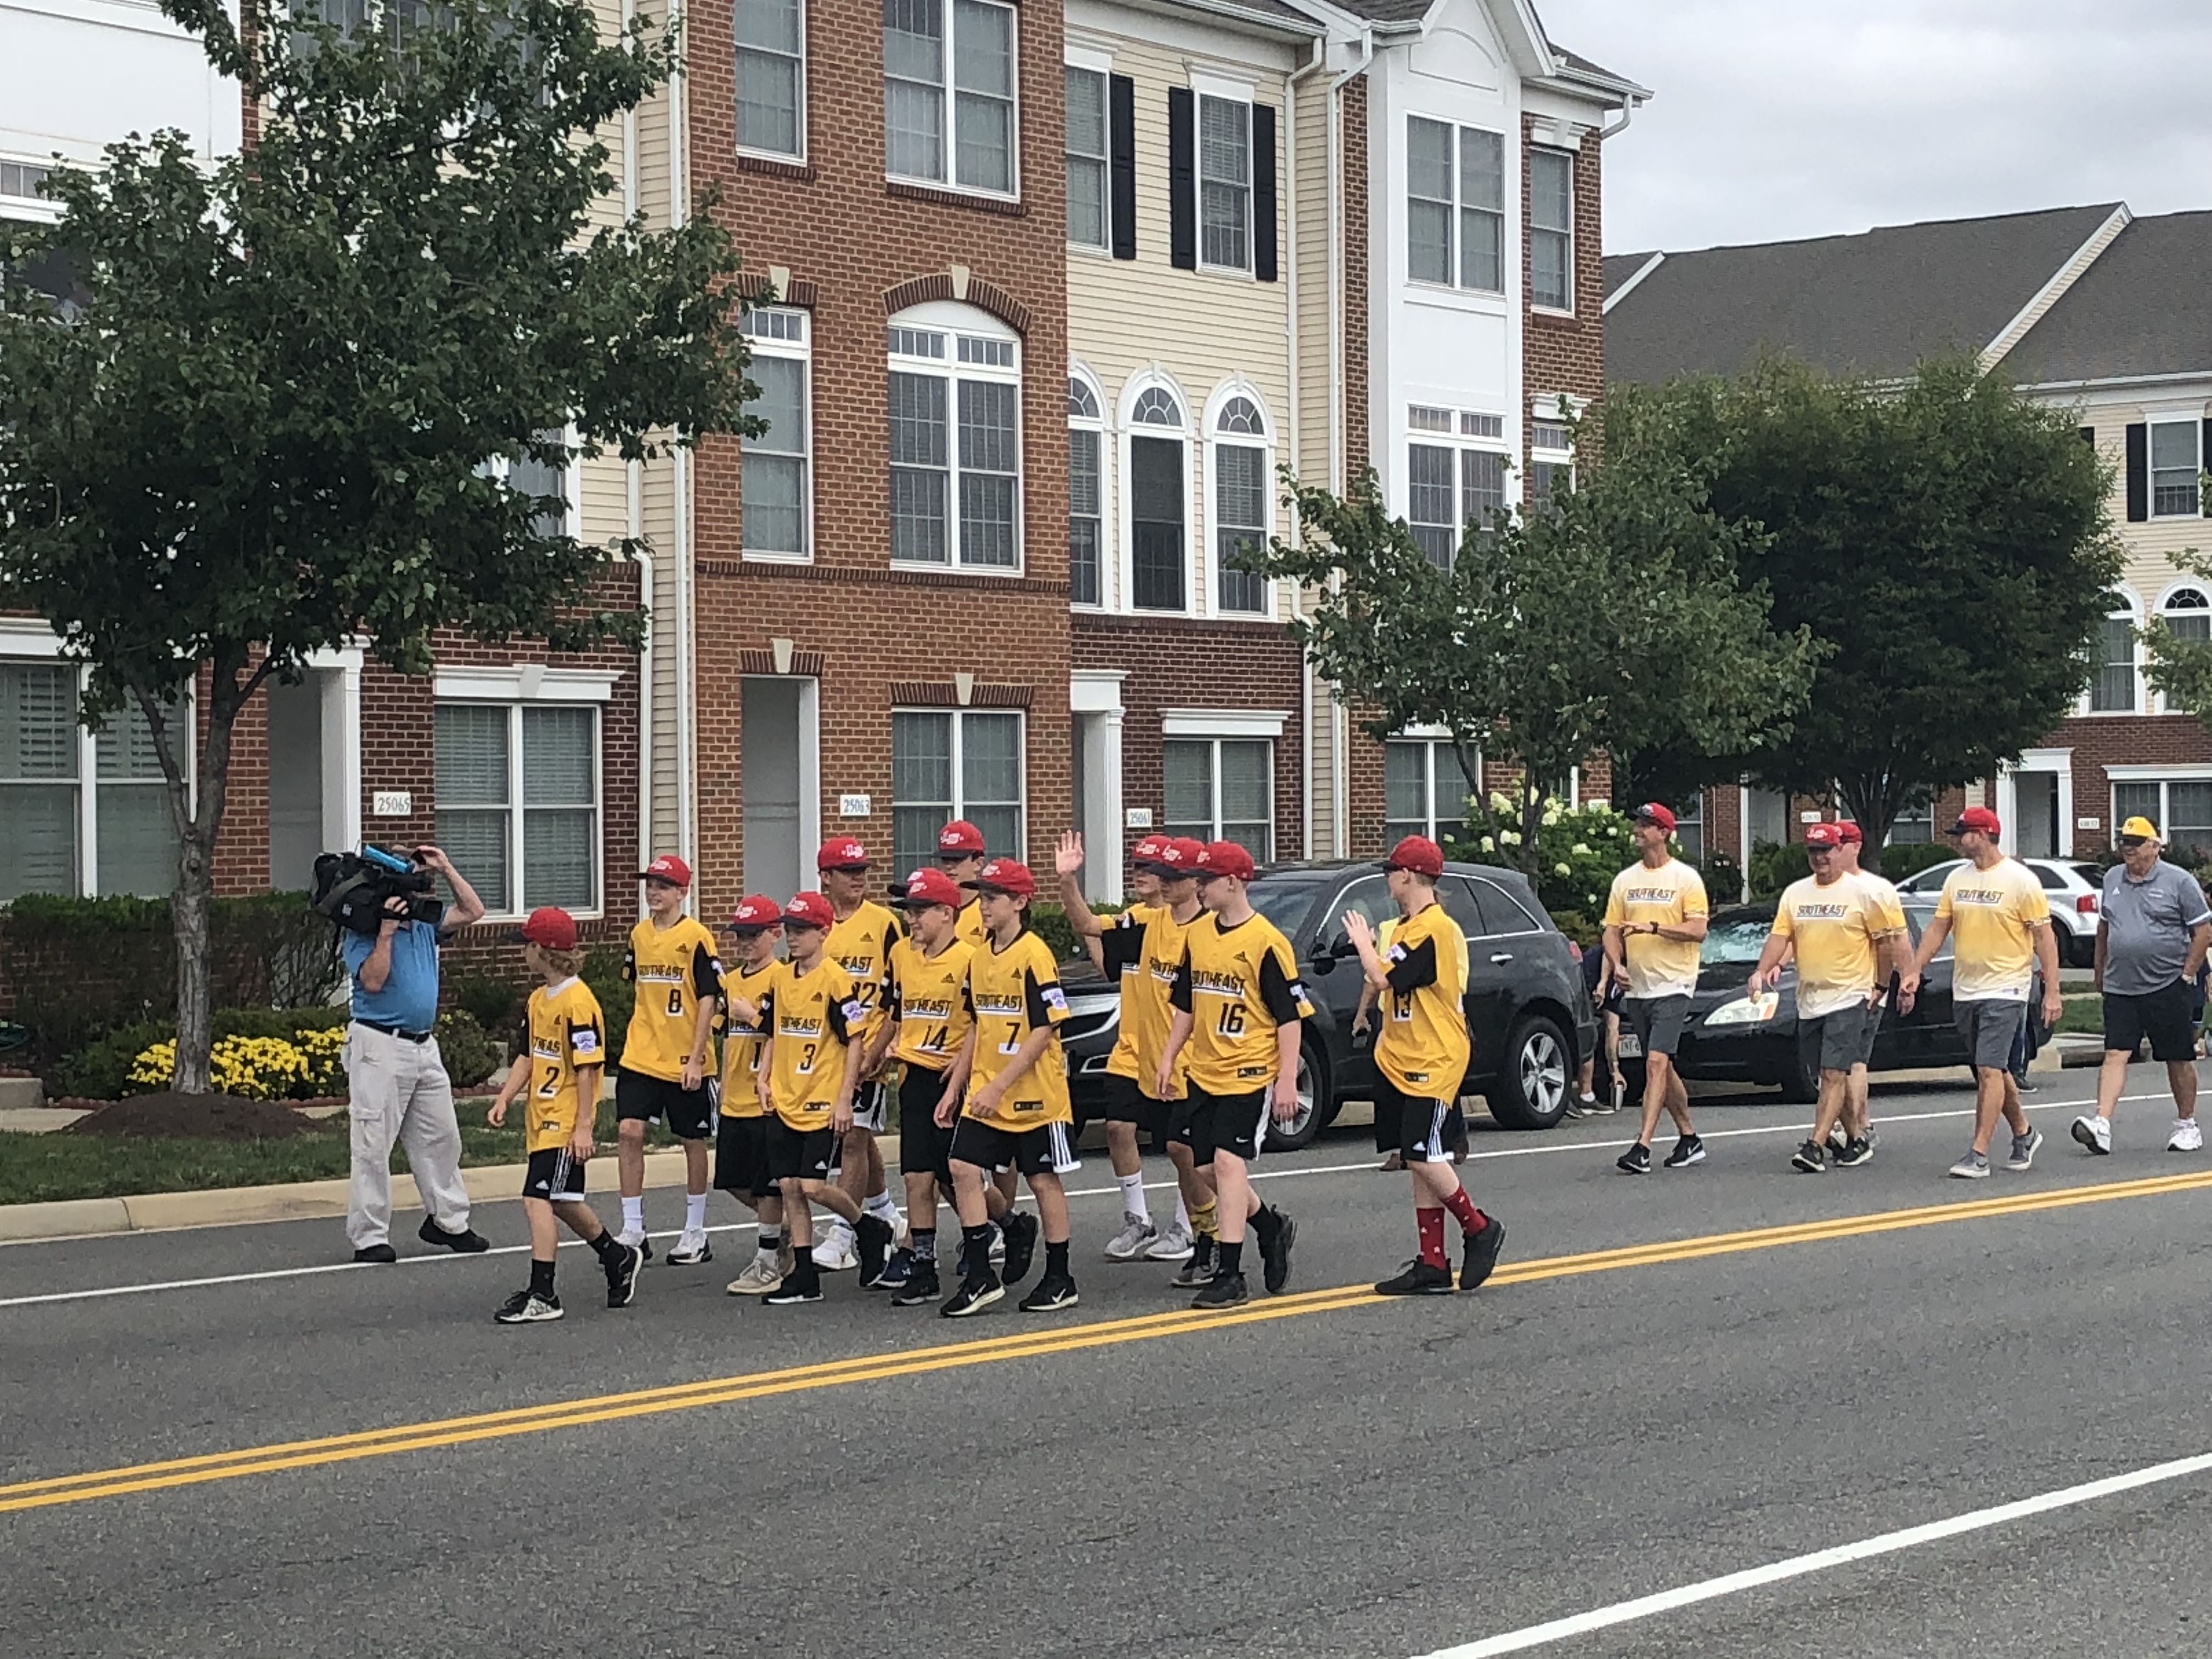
(1779, 118)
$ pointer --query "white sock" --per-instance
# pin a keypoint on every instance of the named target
(1132, 1197)
(881, 1208)
(695, 1212)
(1182, 1213)
(633, 1214)
(836, 1223)
(1588, 1096)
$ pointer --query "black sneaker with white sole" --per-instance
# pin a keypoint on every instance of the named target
(872, 1237)
(1637, 1160)
(528, 1308)
(804, 1286)
(1020, 1231)
(1481, 1248)
(1687, 1151)
(1417, 1278)
(1223, 1290)
(976, 1293)
(1855, 1153)
(920, 1288)
(1811, 1157)
(689, 1251)
(622, 1274)
(1198, 1267)
(1053, 1292)
(1277, 1233)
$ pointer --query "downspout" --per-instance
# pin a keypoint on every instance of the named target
(1340, 724)
(686, 654)
(634, 526)
(1297, 429)
(1627, 114)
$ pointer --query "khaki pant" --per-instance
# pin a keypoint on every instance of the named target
(401, 1096)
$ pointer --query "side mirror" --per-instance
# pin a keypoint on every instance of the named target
(1324, 961)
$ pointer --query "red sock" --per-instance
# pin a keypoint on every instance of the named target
(1470, 1219)
(1432, 1236)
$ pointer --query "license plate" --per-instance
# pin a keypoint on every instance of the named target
(1632, 1046)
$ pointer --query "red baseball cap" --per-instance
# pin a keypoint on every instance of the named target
(1981, 819)
(1179, 858)
(1830, 836)
(1008, 876)
(1652, 812)
(960, 839)
(1419, 854)
(549, 925)
(843, 853)
(754, 914)
(1852, 835)
(809, 910)
(667, 867)
(925, 888)
(1147, 851)
(1225, 858)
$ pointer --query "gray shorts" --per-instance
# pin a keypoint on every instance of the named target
(1865, 1055)
(1833, 1042)
(1657, 1022)
(1991, 1026)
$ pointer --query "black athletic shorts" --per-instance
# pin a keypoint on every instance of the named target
(557, 1175)
(1425, 1131)
(924, 1149)
(2161, 1015)
(801, 1154)
(1237, 1124)
(1049, 1149)
(688, 1113)
(871, 1106)
(1126, 1103)
(741, 1158)
(1389, 1116)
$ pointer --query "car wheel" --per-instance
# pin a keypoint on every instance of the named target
(1313, 1090)
(1532, 1093)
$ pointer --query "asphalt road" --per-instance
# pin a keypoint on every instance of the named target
(1330, 1474)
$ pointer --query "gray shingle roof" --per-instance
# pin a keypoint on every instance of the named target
(1875, 303)
(1619, 267)
(2145, 307)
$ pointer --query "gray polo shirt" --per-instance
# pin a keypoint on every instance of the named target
(2146, 927)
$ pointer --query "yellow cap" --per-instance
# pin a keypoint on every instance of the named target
(2143, 827)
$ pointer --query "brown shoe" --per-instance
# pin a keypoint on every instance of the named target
(1392, 1164)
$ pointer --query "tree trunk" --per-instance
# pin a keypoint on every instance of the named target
(1533, 796)
(189, 910)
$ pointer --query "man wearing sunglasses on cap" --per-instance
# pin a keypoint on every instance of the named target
(1655, 924)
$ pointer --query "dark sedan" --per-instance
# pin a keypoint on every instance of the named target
(1529, 1018)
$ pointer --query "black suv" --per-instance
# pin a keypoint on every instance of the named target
(1530, 1022)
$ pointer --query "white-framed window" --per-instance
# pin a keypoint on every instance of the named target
(83, 812)
(1086, 494)
(1454, 206)
(1424, 789)
(1431, 509)
(771, 75)
(955, 440)
(2112, 691)
(776, 480)
(955, 763)
(1914, 825)
(546, 480)
(966, 117)
(1240, 445)
(1220, 789)
(21, 181)
(518, 801)
(1088, 213)
(1551, 229)
(1551, 459)
(1160, 501)
(1690, 827)
(1225, 183)
(2175, 462)
(1451, 484)
(2180, 807)
(2188, 613)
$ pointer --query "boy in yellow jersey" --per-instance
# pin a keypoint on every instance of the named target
(741, 1142)
(1419, 970)
(1241, 1010)
(568, 1046)
(663, 1075)
(960, 855)
(1015, 1114)
(1655, 925)
(860, 943)
(1843, 941)
(808, 1071)
(2002, 921)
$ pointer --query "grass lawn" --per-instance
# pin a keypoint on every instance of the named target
(35, 1167)
(2084, 1015)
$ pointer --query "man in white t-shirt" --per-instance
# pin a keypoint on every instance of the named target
(1655, 924)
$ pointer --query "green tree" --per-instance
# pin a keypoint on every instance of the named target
(304, 395)
(1948, 539)
(2175, 665)
(1614, 621)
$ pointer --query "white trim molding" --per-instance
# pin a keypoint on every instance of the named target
(1220, 723)
(2158, 774)
(1095, 690)
(526, 682)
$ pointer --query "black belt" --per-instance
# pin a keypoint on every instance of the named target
(395, 1031)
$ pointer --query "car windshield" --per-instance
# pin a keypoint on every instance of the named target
(1283, 903)
(1736, 937)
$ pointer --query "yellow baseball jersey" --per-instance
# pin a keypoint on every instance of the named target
(1240, 986)
(1994, 914)
(811, 1017)
(862, 945)
(674, 968)
(929, 1000)
(742, 1042)
(1424, 1047)
(1011, 993)
(566, 1033)
(1143, 950)
(1670, 896)
(969, 925)
(1833, 929)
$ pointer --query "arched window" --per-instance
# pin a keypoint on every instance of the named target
(1159, 500)
(2189, 614)
(956, 477)
(1239, 446)
(1086, 494)
(2113, 690)
(1156, 406)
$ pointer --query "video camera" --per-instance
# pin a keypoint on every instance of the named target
(351, 888)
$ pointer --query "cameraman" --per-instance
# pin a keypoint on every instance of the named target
(399, 1083)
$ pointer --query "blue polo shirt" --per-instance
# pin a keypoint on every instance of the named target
(409, 997)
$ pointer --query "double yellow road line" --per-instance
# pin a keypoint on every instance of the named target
(1027, 1345)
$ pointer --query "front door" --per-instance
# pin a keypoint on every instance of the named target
(2037, 793)
(777, 711)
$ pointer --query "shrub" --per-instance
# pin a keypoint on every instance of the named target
(1774, 865)
(603, 974)
(1582, 849)
(1049, 923)
(1910, 858)
(494, 1003)
(254, 1068)
(470, 1055)
(106, 1069)
(1724, 877)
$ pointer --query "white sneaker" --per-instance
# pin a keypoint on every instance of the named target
(2186, 1136)
(691, 1250)
(837, 1251)
(761, 1276)
(1174, 1245)
(2095, 1133)
(1130, 1242)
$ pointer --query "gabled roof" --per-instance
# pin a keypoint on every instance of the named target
(2143, 309)
(1619, 267)
(1876, 303)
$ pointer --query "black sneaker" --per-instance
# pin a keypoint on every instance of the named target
(467, 1241)
(1812, 1158)
(1198, 1269)
(1637, 1160)
(871, 1237)
(621, 1275)
(804, 1285)
(528, 1308)
(1687, 1151)
(1053, 1291)
(921, 1288)
(382, 1255)
(1020, 1229)
(1417, 1278)
(974, 1295)
(1837, 1138)
(1481, 1252)
(1277, 1232)
(897, 1270)
(1855, 1153)
(1223, 1290)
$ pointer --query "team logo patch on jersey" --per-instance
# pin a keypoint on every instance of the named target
(1055, 999)
(856, 1011)
(587, 1042)
(1298, 990)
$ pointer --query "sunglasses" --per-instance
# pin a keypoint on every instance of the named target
(2131, 843)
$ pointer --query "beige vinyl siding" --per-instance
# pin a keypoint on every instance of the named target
(2152, 546)
(1316, 302)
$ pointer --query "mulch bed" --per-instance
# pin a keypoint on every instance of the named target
(201, 1117)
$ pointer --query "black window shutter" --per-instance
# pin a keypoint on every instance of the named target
(1263, 192)
(1182, 179)
(2138, 473)
(2088, 434)
(1121, 153)
(2204, 461)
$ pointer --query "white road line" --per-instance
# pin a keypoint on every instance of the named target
(1889, 1543)
(273, 1273)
